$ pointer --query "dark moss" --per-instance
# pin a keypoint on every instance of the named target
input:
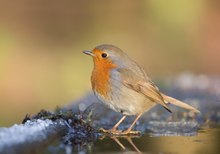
(79, 125)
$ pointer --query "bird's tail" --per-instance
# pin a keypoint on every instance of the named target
(176, 102)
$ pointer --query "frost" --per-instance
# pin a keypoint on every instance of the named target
(33, 131)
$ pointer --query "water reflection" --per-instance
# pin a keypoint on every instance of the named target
(117, 144)
(205, 142)
(129, 139)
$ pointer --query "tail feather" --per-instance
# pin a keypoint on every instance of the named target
(176, 102)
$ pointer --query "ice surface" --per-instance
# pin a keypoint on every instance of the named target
(30, 132)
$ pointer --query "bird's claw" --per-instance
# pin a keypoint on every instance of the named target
(110, 131)
(119, 132)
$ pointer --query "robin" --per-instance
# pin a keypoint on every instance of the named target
(121, 84)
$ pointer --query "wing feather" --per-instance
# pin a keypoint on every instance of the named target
(142, 85)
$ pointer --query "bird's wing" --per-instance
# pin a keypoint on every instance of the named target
(141, 85)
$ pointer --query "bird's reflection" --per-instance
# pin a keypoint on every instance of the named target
(130, 141)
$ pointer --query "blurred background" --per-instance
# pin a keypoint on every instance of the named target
(41, 63)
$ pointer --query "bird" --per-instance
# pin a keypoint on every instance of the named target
(121, 84)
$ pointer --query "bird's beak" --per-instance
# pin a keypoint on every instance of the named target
(88, 52)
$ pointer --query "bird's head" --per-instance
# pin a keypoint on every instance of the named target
(107, 56)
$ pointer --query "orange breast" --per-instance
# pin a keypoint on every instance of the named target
(101, 75)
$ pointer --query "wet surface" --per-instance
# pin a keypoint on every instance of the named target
(204, 142)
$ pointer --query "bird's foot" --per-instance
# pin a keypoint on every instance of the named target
(110, 131)
(130, 132)
(119, 132)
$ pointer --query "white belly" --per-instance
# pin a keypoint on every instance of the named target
(127, 101)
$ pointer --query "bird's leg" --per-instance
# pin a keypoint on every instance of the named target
(114, 128)
(128, 131)
(118, 123)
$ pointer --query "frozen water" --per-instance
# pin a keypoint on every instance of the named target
(31, 131)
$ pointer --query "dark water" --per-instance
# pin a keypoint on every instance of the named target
(206, 141)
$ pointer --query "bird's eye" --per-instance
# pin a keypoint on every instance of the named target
(104, 55)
